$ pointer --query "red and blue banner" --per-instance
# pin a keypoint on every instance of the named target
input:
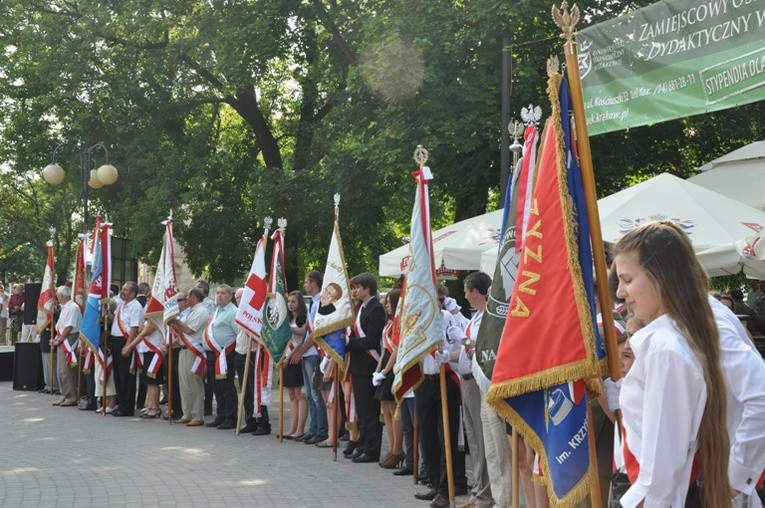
(98, 292)
(549, 351)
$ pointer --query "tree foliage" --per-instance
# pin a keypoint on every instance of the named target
(226, 111)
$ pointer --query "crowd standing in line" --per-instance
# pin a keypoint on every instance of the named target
(689, 414)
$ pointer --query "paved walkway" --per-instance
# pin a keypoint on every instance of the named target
(51, 456)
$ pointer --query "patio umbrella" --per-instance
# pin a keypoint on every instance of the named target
(739, 175)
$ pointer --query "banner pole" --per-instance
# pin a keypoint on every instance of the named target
(244, 385)
(595, 485)
(106, 359)
(567, 21)
(447, 435)
(336, 416)
(516, 470)
(169, 335)
(281, 400)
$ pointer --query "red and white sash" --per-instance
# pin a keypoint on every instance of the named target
(70, 350)
(88, 362)
(221, 365)
(108, 368)
(358, 333)
(200, 363)
(157, 361)
(136, 359)
(263, 377)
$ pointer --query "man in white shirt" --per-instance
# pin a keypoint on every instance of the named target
(192, 359)
(127, 319)
(67, 338)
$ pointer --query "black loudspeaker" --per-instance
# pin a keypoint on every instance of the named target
(31, 295)
(27, 369)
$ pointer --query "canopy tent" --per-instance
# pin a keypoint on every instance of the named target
(739, 175)
(456, 247)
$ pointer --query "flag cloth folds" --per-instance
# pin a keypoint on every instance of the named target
(98, 291)
(163, 303)
(335, 306)
(276, 333)
(78, 286)
(46, 302)
(548, 344)
(506, 269)
(249, 314)
(420, 318)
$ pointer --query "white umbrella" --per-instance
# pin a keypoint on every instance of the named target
(746, 254)
(456, 247)
(740, 175)
(709, 218)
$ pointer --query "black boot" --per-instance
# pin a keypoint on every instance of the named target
(264, 424)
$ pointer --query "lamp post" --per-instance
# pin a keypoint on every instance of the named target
(106, 174)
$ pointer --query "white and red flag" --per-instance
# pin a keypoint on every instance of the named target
(162, 306)
(249, 314)
(78, 287)
(46, 303)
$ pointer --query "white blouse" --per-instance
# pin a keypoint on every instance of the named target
(662, 400)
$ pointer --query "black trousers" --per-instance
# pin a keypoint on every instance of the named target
(209, 381)
(428, 400)
(368, 412)
(224, 389)
(124, 381)
(249, 401)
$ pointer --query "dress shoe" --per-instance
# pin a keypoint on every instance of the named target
(303, 437)
(262, 431)
(58, 402)
(68, 403)
(117, 412)
(392, 460)
(227, 426)
(426, 496)
(182, 419)
(358, 453)
(214, 423)
(364, 459)
(440, 501)
(315, 439)
(250, 427)
(44, 390)
(195, 423)
(151, 414)
(469, 504)
(349, 449)
(407, 471)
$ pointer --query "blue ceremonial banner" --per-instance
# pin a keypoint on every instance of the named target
(90, 329)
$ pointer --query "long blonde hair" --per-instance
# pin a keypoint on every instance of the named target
(667, 256)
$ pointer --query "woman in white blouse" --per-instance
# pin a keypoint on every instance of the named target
(674, 399)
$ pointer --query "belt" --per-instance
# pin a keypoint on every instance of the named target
(431, 377)
(467, 377)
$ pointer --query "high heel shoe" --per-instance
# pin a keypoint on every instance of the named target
(393, 460)
(149, 415)
(386, 459)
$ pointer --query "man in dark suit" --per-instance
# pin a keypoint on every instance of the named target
(364, 347)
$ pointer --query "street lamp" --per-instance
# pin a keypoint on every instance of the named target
(106, 174)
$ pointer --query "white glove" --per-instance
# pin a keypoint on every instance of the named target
(454, 333)
(442, 357)
(613, 388)
(377, 378)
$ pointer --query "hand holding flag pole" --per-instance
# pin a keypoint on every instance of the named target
(267, 221)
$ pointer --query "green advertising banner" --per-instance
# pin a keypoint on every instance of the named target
(672, 59)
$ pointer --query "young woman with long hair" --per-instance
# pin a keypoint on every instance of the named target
(673, 399)
(293, 372)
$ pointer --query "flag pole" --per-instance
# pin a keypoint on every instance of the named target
(51, 374)
(105, 370)
(281, 400)
(264, 239)
(169, 335)
(515, 129)
(567, 21)
(447, 434)
(336, 415)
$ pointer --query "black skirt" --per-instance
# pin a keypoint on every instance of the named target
(293, 375)
(160, 379)
(385, 390)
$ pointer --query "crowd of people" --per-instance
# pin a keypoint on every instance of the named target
(685, 426)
